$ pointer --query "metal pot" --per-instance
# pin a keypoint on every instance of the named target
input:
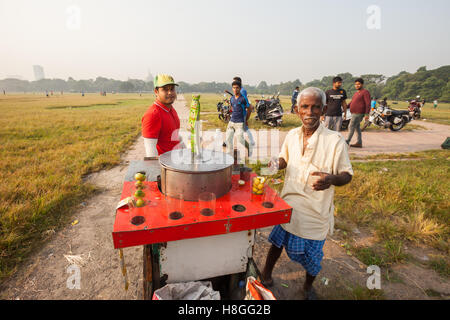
(185, 177)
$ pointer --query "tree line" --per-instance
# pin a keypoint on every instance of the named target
(429, 84)
(100, 84)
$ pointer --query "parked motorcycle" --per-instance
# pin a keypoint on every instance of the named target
(346, 122)
(384, 116)
(224, 109)
(415, 108)
(270, 111)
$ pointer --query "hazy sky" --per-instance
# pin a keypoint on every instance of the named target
(211, 40)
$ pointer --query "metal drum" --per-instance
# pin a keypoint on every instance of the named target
(184, 177)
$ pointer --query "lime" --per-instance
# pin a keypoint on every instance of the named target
(139, 194)
(139, 184)
(140, 203)
(139, 176)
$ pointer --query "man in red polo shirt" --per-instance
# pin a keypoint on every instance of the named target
(160, 124)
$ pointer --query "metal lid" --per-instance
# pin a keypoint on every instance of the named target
(181, 160)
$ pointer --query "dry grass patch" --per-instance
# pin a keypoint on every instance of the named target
(48, 145)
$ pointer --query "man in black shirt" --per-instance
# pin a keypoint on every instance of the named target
(336, 104)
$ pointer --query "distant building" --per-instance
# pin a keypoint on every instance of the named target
(38, 72)
(149, 77)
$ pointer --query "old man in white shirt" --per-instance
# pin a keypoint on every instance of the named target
(316, 160)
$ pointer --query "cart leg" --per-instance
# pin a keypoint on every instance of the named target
(148, 285)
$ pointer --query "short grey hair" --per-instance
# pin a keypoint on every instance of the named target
(312, 91)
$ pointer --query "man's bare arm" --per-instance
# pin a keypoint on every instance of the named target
(327, 180)
(249, 112)
(341, 179)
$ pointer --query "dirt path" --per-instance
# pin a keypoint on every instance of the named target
(44, 275)
(387, 141)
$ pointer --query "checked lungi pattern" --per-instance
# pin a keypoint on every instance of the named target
(308, 253)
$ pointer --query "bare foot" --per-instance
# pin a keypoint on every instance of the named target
(266, 282)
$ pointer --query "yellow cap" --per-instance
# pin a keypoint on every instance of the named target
(162, 80)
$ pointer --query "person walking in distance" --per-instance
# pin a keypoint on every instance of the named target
(247, 117)
(360, 108)
(294, 98)
(250, 110)
(240, 106)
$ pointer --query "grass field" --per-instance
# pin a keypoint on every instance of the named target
(48, 145)
(401, 200)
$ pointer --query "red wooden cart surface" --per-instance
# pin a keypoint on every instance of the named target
(238, 210)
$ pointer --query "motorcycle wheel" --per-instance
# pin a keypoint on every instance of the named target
(397, 127)
(366, 125)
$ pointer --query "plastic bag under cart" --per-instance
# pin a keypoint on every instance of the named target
(256, 291)
(197, 290)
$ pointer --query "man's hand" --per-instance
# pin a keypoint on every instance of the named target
(279, 163)
(274, 163)
(366, 118)
(344, 117)
(322, 118)
(324, 182)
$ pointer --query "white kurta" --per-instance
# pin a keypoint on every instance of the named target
(313, 211)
